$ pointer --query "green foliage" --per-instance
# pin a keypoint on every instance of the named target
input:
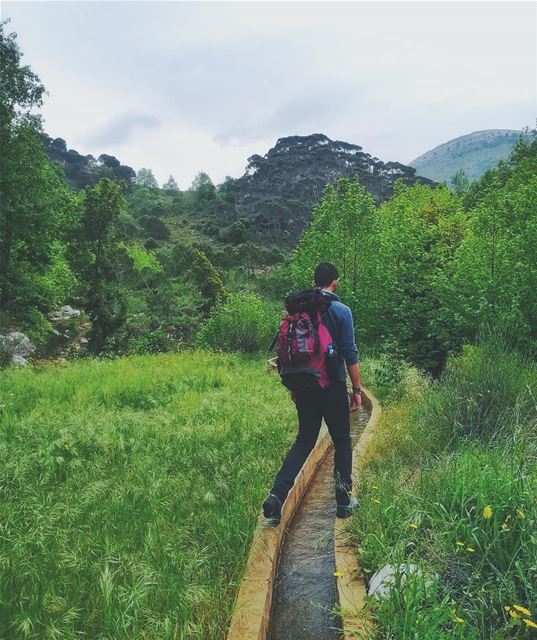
(244, 322)
(129, 493)
(449, 485)
(239, 231)
(430, 268)
(171, 185)
(345, 231)
(36, 207)
(420, 229)
(145, 178)
(143, 261)
(459, 182)
(203, 190)
(494, 273)
(206, 278)
(98, 254)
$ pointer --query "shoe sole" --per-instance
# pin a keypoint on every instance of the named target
(343, 512)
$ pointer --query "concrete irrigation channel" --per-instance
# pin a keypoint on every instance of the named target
(289, 590)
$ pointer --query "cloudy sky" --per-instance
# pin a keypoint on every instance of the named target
(187, 86)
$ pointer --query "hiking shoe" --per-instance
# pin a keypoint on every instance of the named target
(272, 509)
(345, 510)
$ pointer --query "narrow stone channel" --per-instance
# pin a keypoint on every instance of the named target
(305, 591)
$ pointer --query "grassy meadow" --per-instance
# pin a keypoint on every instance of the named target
(451, 486)
(129, 491)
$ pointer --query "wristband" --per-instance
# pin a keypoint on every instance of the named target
(357, 390)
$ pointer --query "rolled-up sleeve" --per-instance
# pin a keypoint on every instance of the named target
(347, 344)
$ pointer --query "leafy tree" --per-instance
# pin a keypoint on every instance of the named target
(206, 278)
(109, 161)
(228, 189)
(98, 258)
(460, 182)
(495, 268)
(35, 204)
(145, 178)
(170, 185)
(345, 230)
(239, 231)
(420, 231)
(203, 190)
(155, 227)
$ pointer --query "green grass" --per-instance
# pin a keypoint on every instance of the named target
(129, 491)
(451, 485)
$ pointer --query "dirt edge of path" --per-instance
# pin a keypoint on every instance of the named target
(251, 613)
(350, 582)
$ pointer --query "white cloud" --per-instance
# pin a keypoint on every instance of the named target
(216, 82)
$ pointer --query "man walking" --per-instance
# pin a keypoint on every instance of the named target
(330, 403)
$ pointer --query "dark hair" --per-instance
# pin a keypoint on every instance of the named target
(325, 273)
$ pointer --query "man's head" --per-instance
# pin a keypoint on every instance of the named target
(326, 276)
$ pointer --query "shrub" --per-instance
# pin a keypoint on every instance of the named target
(243, 323)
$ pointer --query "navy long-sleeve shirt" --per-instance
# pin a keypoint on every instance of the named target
(339, 322)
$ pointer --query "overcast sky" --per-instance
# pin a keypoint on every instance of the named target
(181, 87)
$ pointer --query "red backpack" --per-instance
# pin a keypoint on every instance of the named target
(303, 341)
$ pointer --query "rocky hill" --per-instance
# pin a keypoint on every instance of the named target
(279, 189)
(475, 153)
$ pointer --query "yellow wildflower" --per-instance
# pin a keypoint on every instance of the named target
(487, 512)
(520, 514)
(530, 623)
(522, 610)
(337, 574)
(459, 543)
(470, 549)
(505, 526)
(412, 525)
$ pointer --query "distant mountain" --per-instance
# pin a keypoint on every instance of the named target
(279, 189)
(475, 153)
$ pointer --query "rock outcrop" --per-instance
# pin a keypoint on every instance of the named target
(15, 347)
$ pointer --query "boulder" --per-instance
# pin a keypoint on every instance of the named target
(64, 313)
(16, 347)
(384, 579)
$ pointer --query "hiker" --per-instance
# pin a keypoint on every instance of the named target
(327, 398)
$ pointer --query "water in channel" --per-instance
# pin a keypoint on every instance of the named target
(305, 591)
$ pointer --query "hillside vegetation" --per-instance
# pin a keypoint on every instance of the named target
(450, 487)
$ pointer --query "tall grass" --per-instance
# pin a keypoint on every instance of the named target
(451, 486)
(129, 491)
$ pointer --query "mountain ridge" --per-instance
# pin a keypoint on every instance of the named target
(473, 152)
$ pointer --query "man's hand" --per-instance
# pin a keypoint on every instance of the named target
(355, 400)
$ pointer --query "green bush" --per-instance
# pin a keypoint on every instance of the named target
(243, 323)
(449, 485)
(480, 391)
(156, 341)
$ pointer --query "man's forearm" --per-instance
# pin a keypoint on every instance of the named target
(354, 373)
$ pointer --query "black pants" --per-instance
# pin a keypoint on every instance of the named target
(312, 406)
